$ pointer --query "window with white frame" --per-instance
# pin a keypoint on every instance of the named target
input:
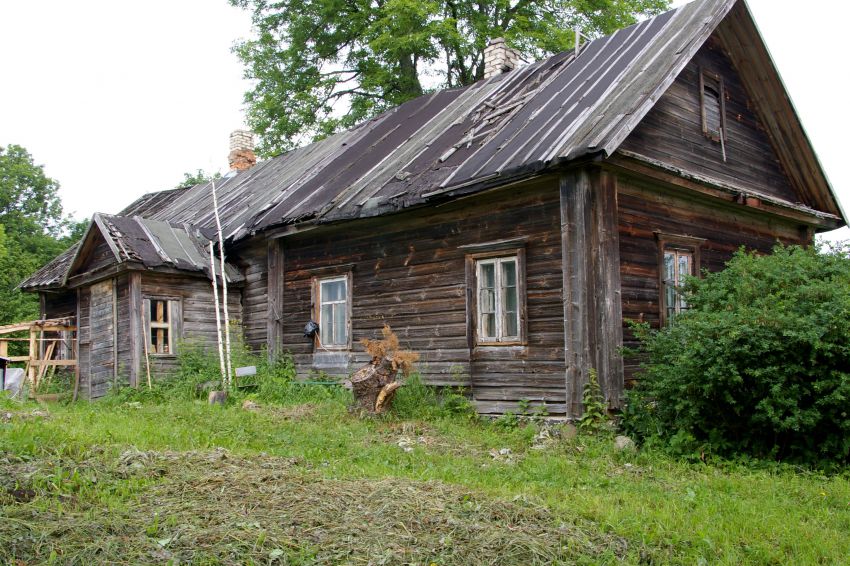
(678, 264)
(498, 303)
(333, 306)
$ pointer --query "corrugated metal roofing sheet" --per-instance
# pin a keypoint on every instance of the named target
(506, 127)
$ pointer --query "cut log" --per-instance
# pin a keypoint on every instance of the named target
(385, 397)
(374, 385)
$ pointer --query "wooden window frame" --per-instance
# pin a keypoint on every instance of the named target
(723, 136)
(688, 244)
(174, 324)
(316, 290)
(473, 317)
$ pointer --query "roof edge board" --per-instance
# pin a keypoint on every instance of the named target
(796, 123)
(96, 221)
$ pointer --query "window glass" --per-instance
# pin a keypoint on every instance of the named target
(498, 300)
(510, 310)
(333, 311)
(678, 264)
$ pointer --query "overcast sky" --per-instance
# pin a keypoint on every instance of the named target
(117, 99)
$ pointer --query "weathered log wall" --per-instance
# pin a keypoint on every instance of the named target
(58, 305)
(644, 209)
(409, 272)
(198, 310)
(107, 337)
(252, 259)
(672, 132)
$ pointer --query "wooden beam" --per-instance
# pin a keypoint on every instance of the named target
(593, 334)
(77, 351)
(608, 296)
(135, 323)
(575, 255)
(33, 356)
(275, 283)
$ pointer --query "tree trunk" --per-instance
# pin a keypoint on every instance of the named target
(374, 386)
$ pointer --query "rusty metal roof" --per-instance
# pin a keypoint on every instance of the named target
(509, 126)
(448, 143)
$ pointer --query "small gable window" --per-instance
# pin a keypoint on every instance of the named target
(713, 104)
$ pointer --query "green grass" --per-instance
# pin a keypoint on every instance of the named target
(577, 500)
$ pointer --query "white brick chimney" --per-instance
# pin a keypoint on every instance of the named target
(499, 58)
(242, 154)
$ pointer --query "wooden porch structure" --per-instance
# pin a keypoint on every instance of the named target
(50, 343)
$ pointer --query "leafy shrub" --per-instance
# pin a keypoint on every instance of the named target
(595, 414)
(759, 365)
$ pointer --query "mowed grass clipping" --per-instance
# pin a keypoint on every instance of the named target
(310, 484)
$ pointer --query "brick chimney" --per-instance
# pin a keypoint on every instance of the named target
(242, 154)
(499, 58)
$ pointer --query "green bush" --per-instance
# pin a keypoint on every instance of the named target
(759, 365)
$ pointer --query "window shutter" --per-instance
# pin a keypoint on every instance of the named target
(176, 321)
(147, 319)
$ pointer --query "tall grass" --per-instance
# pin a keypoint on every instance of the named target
(199, 372)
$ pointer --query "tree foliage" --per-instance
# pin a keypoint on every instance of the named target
(198, 177)
(33, 227)
(759, 365)
(322, 65)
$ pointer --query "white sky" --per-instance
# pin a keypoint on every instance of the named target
(118, 99)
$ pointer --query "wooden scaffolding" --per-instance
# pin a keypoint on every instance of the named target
(51, 343)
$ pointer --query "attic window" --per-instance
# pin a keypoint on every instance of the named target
(713, 105)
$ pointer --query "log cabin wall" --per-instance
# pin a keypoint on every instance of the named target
(645, 208)
(103, 344)
(123, 338)
(62, 304)
(409, 271)
(252, 260)
(672, 131)
(196, 321)
(101, 370)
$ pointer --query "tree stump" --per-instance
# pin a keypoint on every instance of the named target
(374, 385)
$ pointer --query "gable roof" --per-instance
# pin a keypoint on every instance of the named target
(150, 244)
(506, 128)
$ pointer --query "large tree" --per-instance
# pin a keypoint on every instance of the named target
(33, 229)
(322, 65)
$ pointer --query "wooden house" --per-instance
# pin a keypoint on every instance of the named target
(504, 230)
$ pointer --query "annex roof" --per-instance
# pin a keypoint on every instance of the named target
(149, 244)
